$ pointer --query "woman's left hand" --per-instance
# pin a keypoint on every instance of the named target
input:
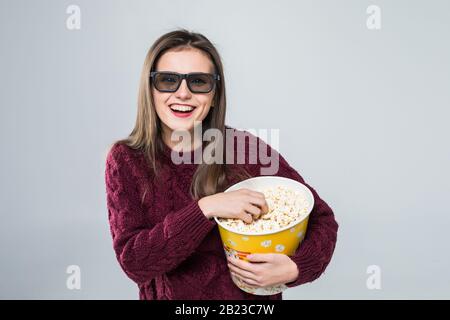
(264, 269)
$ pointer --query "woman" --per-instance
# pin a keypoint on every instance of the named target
(161, 211)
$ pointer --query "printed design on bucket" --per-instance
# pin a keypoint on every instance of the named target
(230, 252)
(279, 248)
(245, 238)
(232, 243)
(266, 243)
(300, 234)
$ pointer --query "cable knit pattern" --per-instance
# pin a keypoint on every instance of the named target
(164, 242)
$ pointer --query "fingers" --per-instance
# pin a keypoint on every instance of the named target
(244, 265)
(250, 213)
(265, 207)
(242, 273)
(247, 218)
(260, 257)
(258, 199)
(248, 282)
(253, 210)
(254, 205)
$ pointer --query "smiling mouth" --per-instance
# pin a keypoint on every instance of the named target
(182, 111)
(181, 108)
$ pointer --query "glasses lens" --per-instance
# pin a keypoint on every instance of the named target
(167, 82)
(200, 83)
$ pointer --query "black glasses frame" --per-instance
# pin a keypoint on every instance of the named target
(181, 76)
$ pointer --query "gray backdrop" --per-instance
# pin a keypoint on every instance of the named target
(363, 117)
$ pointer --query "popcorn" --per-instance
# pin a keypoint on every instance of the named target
(286, 205)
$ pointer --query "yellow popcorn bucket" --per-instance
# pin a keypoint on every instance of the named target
(285, 240)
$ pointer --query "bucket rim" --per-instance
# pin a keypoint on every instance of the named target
(291, 225)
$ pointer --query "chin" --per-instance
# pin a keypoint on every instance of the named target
(181, 126)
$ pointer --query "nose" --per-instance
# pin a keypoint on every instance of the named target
(183, 91)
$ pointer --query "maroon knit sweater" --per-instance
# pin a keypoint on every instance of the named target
(165, 243)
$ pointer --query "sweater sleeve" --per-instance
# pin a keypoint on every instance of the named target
(314, 253)
(146, 251)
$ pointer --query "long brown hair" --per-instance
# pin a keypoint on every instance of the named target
(147, 133)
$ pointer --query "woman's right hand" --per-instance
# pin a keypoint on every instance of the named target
(243, 204)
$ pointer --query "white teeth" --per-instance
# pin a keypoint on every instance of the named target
(181, 108)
